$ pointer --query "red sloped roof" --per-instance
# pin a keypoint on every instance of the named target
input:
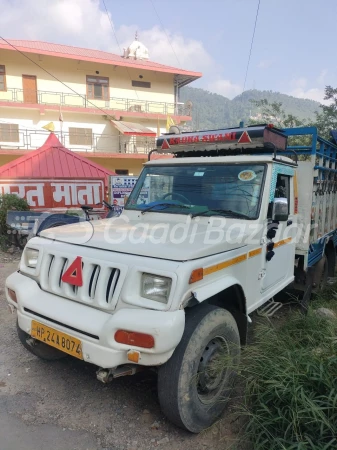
(52, 160)
(97, 56)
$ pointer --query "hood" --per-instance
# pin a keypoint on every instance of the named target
(175, 240)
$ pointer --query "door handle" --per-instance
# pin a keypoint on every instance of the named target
(289, 222)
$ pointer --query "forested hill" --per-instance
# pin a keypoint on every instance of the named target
(214, 111)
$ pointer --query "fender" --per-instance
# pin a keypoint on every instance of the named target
(208, 290)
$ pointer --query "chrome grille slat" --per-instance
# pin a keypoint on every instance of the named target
(83, 291)
(55, 275)
(100, 280)
(64, 268)
(111, 287)
(93, 281)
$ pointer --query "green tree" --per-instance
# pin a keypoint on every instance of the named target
(9, 202)
(274, 113)
(326, 120)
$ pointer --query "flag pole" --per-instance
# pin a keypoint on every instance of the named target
(61, 125)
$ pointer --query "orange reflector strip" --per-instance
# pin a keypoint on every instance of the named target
(135, 339)
(283, 242)
(196, 275)
(12, 295)
(255, 252)
(133, 356)
(225, 264)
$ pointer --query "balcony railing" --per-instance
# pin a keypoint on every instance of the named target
(81, 101)
(104, 143)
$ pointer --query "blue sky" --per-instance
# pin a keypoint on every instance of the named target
(293, 52)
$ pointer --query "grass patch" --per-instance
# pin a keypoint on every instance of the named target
(290, 382)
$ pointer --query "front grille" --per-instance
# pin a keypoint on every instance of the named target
(100, 281)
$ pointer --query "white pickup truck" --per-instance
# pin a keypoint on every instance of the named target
(207, 237)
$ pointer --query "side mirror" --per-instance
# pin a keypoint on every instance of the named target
(280, 210)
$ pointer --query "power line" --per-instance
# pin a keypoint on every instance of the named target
(168, 39)
(251, 44)
(112, 27)
(57, 79)
(120, 50)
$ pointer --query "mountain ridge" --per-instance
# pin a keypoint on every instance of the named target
(212, 110)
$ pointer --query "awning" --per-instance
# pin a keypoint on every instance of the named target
(133, 129)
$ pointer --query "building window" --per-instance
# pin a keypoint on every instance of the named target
(80, 136)
(98, 88)
(142, 84)
(122, 172)
(9, 132)
(2, 78)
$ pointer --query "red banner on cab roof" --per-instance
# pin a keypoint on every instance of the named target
(216, 137)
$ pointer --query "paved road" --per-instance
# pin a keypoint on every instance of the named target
(62, 406)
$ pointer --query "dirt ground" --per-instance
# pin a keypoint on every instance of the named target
(62, 406)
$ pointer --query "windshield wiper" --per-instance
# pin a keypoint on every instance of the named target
(227, 212)
(167, 205)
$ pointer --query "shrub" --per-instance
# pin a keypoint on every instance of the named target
(10, 202)
(290, 383)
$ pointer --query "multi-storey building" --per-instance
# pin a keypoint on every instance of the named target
(108, 107)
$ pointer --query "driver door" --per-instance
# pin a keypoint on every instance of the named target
(280, 247)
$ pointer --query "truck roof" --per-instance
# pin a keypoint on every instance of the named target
(264, 138)
(220, 160)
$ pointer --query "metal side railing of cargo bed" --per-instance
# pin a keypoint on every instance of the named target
(308, 145)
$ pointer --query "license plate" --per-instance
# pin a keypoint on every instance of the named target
(57, 339)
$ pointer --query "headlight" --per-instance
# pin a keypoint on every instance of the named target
(31, 257)
(156, 288)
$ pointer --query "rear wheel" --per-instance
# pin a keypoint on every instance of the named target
(321, 275)
(39, 349)
(195, 384)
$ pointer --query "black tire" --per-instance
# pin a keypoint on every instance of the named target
(39, 349)
(324, 277)
(184, 384)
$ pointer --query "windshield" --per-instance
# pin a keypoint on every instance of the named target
(210, 189)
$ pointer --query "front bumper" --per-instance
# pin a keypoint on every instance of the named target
(96, 328)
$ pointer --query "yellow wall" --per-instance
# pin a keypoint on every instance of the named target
(134, 166)
(4, 159)
(74, 73)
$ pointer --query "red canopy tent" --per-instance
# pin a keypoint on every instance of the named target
(55, 177)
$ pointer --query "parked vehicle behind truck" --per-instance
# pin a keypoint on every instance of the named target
(233, 219)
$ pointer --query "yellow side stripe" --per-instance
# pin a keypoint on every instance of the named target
(284, 241)
(255, 252)
(225, 264)
(238, 259)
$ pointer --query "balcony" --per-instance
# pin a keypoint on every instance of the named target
(97, 143)
(130, 107)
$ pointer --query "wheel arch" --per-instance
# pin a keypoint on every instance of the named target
(228, 294)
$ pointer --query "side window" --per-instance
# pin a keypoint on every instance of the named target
(282, 189)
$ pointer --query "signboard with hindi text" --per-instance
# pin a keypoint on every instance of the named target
(42, 194)
(121, 186)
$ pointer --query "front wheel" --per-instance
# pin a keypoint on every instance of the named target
(195, 384)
